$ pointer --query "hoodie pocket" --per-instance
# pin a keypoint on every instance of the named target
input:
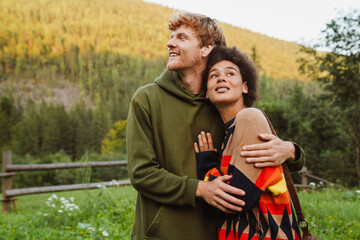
(156, 222)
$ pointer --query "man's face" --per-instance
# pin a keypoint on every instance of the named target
(184, 50)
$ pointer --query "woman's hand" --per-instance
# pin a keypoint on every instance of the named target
(205, 143)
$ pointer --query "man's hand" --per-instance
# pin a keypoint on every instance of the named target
(217, 193)
(272, 153)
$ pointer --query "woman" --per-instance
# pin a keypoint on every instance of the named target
(231, 79)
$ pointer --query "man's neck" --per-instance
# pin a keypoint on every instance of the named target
(193, 80)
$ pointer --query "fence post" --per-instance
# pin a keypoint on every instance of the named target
(303, 176)
(7, 181)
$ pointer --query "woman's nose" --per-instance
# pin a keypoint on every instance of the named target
(221, 79)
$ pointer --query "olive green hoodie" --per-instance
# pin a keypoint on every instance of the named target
(163, 123)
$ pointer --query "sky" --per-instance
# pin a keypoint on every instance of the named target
(290, 20)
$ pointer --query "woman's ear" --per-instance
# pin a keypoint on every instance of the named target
(245, 88)
(206, 50)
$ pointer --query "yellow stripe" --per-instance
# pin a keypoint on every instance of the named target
(279, 187)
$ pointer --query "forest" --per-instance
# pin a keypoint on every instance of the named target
(68, 70)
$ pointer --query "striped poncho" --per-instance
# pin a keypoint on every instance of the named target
(268, 213)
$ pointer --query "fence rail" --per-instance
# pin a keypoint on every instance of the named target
(9, 170)
(51, 166)
(63, 188)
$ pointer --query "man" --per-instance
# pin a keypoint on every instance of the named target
(164, 120)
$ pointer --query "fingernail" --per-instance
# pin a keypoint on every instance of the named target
(243, 148)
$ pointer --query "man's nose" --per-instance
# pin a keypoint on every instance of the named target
(171, 43)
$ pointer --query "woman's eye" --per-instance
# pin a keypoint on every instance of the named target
(213, 76)
(229, 74)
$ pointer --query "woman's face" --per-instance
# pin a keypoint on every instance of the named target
(225, 85)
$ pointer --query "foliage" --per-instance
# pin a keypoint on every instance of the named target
(115, 140)
(9, 116)
(339, 72)
(299, 115)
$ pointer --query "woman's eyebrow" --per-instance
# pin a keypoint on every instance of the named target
(215, 69)
(232, 68)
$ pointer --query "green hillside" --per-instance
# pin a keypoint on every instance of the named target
(36, 32)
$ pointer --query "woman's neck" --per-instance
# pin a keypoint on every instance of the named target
(228, 112)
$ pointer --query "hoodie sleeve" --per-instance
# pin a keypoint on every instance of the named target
(146, 174)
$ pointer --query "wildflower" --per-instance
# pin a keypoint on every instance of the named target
(115, 183)
(81, 232)
(357, 191)
(312, 185)
(329, 217)
(72, 199)
(60, 211)
(57, 217)
(52, 197)
(13, 230)
(69, 227)
(45, 214)
(105, 234)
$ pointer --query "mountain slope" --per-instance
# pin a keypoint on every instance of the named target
(36, 30)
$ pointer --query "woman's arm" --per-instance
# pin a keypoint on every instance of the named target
(248, 124)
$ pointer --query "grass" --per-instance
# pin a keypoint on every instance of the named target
(109, 214)
(332, 214)
(103, 214)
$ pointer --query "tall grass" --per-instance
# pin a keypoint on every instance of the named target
(108, 213)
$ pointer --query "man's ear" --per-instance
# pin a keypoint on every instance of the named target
(206, 50)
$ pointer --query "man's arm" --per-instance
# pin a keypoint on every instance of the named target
(145, 172)
(274, 153)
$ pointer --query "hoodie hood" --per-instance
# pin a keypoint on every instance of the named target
(172, 83)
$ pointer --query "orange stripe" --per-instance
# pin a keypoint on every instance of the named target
(275, 209)
(283, 198)
(225, 161)
(264, 176)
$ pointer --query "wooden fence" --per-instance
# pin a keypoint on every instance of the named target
(9, 170)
